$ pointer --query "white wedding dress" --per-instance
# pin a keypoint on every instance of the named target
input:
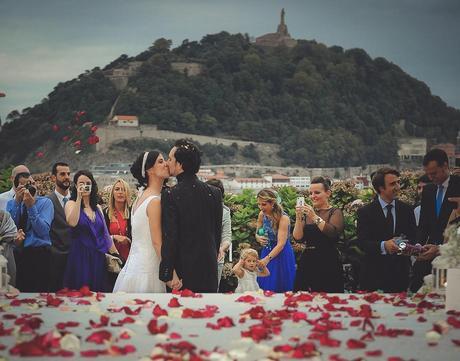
(141, 270)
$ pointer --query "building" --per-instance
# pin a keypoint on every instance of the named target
(450, 150)
(125, 121)
(250, 183)
(411, 152)
(278, 180)
(189, 69)
(280, 38)
(300, 183)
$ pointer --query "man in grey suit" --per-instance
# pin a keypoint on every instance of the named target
(60, 230)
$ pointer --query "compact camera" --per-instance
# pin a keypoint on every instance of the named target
(407, 249)
(31, 188)
(300, 202)
(86, 188)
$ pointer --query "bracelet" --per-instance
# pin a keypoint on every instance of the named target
(318, 221)
(269, 257)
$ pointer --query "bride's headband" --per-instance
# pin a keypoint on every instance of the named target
(143, 164)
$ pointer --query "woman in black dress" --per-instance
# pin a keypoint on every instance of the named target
(319, 268)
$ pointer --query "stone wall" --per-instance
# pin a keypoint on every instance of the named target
(108, 134)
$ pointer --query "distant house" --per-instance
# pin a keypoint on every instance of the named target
(300, 182)
(278, 180)
(449, 148)
(252, 183)
(411, 151)
(125, 121)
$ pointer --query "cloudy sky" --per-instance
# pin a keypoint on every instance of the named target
(43, 42)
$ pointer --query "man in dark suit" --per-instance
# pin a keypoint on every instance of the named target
(380, 223)
(434, 212)
(191, 214)
(60, 230)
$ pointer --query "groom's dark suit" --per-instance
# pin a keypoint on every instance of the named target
(389, 272)
(191, 214)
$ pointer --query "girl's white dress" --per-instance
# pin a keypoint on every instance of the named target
(248, 282)
(141, 271)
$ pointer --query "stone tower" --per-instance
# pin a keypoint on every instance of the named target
(280, 38)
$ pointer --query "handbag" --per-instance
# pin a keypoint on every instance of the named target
(113, 263)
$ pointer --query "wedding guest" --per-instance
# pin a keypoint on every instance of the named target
(191, 222)
(33, 215)
(421, 183)
(90, 239)
(455, 215)
(435, 211)
(60, 230)
(8, 195)
(226, 241)
(272, 232)
(9, 235)
(118, 217)
(248, 269)
(379, 225)
(319, 227)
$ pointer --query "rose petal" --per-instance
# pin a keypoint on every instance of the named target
(99, 337)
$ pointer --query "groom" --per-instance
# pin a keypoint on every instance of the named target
(191, 214)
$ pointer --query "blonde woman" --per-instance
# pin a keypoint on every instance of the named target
(118, 217)
(273, 234)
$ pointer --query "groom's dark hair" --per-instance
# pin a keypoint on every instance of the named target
(188, 155)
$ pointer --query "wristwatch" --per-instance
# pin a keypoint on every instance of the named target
(318, 220)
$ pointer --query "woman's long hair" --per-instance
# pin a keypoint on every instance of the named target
(271, 196)
(111, 207)
(94, 195)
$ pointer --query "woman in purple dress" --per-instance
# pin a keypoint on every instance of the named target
(90, 240)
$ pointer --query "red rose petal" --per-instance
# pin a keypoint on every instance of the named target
(175, 336)
(158, 311)
(174, 302)
(355, 344)
(155, 328)
(375, 353)
(99, 337)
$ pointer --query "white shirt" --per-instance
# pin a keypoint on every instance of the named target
(60, 197)
(385, 210)
(5, 197)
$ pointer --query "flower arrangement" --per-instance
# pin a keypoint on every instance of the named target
(450, 251)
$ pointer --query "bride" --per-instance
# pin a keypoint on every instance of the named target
(141, 271)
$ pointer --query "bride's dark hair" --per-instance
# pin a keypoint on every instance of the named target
(136, 168)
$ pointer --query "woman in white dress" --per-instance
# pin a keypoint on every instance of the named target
(141, 271)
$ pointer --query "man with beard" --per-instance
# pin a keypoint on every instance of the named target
(191, 214)
(60, 230)
(380, 223)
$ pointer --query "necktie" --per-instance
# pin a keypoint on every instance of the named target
(389, 219)
(23, 218)
(64, 200)
(439, 199)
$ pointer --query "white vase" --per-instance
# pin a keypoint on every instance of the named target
(453, 289)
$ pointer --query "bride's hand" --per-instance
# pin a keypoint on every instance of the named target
(176, 283)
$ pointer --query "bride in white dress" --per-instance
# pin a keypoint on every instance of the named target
(141, 271)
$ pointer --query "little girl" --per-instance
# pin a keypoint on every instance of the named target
(248, 269)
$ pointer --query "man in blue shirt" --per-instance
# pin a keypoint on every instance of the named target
(33, 214)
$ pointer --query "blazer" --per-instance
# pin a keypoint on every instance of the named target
(191, 217)
(60, 230)
(431, 227)
(389, 273)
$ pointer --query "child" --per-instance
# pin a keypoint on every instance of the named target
(248, 269)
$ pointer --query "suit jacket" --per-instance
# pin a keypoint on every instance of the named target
(191, 214)
(60, 230)
(431, 227)
(389, 273)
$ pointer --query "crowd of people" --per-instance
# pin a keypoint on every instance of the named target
(177, 237)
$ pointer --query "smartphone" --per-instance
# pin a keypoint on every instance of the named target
(300, 202)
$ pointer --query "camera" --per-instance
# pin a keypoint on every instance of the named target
(85, 188)
(31, 188)
(300, 202)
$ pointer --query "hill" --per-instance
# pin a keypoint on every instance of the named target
(324, 106)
